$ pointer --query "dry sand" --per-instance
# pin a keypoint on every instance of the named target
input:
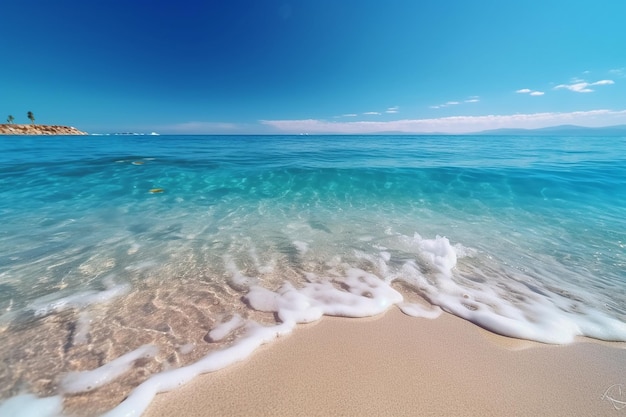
(395, 365)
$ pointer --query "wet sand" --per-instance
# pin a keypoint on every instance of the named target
(395, 365)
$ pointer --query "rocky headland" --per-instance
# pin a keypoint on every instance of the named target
(13, 129)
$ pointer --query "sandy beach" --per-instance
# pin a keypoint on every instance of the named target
(397, 365)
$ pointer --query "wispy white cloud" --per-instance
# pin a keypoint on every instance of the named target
(582, 86)
(470, 99)
(619, 72)
(576, 87)
(367, 113)
(392, 110)
(530, 92)
(603, 82)
(456, 124)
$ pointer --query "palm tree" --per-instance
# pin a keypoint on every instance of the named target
(31, 117)
(10, 119)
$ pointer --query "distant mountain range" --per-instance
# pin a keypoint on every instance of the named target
(562, 130)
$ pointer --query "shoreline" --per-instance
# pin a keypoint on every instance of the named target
(393, 364)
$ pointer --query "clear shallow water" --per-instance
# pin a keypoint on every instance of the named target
(275, 230)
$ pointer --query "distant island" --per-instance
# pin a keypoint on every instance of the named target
(32, 129)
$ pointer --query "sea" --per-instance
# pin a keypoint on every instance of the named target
(130, 264)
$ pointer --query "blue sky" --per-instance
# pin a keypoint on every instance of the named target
(316, 66)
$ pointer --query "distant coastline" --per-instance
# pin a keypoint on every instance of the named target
(29, 129)
(568, 130)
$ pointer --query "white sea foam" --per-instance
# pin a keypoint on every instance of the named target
(364, 295)
(54, 304)
(255, 335)
(237, 279)
(418, 310)
(222, 330)
(28, 405)
(438, 252)
(84, 381)
(547, 317)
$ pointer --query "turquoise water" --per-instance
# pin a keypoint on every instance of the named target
(108, 243)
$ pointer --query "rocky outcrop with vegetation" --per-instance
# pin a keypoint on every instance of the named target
(14, 129)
